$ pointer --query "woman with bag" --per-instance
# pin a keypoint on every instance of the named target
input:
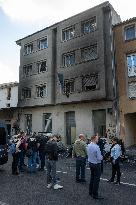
(115, 160)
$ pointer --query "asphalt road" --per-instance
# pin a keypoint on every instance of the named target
(31, 189)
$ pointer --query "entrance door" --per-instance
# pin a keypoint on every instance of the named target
(28, 123)
(99, 122)
(9, 129)
(70, 127)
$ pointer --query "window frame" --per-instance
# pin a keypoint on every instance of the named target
(40, 86)
(26, 49)
(64, 60)
(68, 29)
(40, 62)
(39, 45)
(26, 67)
(129, 26)
(66, 81)
(86, 21)
(87, 76)
(89, 48)
(132, 64)
(26, 90)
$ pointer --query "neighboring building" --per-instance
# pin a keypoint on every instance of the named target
(8, 104)
(66, 82)
(125, 62)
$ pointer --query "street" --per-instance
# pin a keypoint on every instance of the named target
(27, 189)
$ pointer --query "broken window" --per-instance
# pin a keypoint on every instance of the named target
(131, 64)
(26, 93)
(42, 66)
(69, 59)
(8, 93)
(89, 25)
(69, 86)
(27, 70)
(89, 53)
(47, 122)
(41, 90)
(28, 49)
(68, 33)
(42, 43)
(90, 82)
(28, 123)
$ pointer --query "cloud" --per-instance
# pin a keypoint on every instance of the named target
(10, 73)
(46, 12)
(42, 11)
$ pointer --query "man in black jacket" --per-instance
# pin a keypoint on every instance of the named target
(52, 157)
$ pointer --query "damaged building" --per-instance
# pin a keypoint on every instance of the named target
(66, 76)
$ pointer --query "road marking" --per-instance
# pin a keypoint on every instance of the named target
(64, 172)
(125, 183)
(2, 203)
(59, 171)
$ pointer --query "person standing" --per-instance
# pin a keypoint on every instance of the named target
(115, 160)
(80, 153)
(94, 159)
(51, 159)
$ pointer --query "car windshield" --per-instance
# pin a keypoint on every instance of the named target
(2, 136)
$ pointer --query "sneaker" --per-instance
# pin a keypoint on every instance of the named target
(49, 186)
(57, 186)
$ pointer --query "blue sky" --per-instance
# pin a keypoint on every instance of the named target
(19, 18)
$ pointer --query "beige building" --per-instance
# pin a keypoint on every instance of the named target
(66, 82)
(125, 60)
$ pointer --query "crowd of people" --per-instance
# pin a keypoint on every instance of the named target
(44, 151)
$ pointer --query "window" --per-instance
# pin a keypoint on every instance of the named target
(131, 64)
(41, 91)
(42, 66)
(132, 90)
(130, 32)
(69, 86)
(68, 33)
(69, 59)
(89, 26)
(8, 93)
(42, 44)
(27, 70)
(90, 82)
(89, 53)
(28, 123)
(47, 122)
(26, 93)
(28, 49)
(8, 105)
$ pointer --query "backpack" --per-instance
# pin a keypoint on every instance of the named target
(12, 148)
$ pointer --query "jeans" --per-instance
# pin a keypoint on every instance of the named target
(15, 163)
(42, 158)
(51, 171)
(32, 162)
(95, 179)
(80, 168)
(21, 160)
(116, 170)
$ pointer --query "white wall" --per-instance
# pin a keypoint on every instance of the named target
(83, 115)
(3, 97)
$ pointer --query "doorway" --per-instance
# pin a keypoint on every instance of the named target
(70, 127)
(99, 122)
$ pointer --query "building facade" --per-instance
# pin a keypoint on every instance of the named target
(8, 104)
(125, 62)
(66, 81)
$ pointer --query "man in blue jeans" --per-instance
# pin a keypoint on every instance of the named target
(94, 159)
(80, 153)
(51, 159)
